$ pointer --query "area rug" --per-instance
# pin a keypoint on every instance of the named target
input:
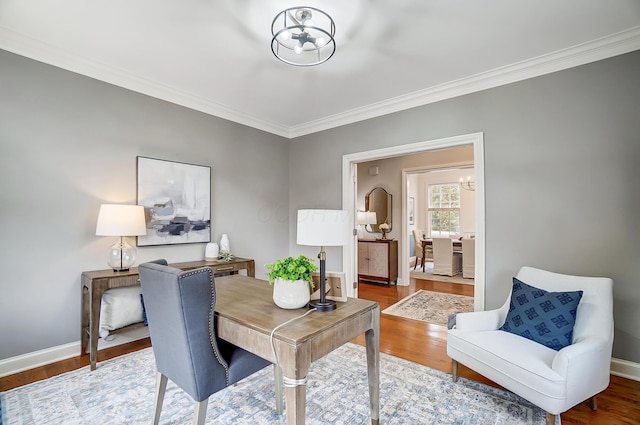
(121, 391)
(428, 275)
(429, 306)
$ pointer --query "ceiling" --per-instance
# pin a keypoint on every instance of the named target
(214, 55)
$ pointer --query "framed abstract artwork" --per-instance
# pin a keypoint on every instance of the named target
(177, 201)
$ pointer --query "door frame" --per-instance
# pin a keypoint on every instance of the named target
(349, 192)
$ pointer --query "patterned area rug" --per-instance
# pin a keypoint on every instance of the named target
(428, 275)
(432, 307)
(121, 391)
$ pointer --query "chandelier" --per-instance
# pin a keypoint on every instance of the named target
(303, 36)
(468, 184)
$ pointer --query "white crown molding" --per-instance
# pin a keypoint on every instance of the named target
(613, 45)
(603, 48)
(43, 52)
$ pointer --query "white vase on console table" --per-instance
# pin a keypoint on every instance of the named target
(224, 243)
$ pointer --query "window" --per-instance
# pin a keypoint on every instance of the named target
(444, 209)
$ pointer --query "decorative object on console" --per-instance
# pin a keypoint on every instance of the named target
(303, 36)
(177, 202)
(291, 280)
(224, 243)
(384, 228)
(323, 228)
(226, 256)
(212, 251)
(121, 220)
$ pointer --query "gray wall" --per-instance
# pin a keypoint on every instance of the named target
(561, 153)
(561, 181)
(69, 143)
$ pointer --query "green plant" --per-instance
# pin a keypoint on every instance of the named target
(292, 269)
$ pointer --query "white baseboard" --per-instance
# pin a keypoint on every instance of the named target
(62, 352)
(38, 358)
(625, 369)
(622, 368)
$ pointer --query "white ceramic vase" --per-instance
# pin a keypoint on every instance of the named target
(212, 251)
(291, 294)
(224, 243)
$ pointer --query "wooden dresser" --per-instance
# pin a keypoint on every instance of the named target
(378, 260)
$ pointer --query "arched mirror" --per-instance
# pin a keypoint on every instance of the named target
(379, 200)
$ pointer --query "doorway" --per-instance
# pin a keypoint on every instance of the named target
(349, 180)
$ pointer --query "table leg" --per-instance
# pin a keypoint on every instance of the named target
(372, 338)
(277, 375)
(295, 391)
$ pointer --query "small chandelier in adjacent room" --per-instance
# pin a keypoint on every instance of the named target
(468, 184)
(303, 36)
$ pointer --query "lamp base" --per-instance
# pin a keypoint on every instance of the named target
(320, 306)
(117, 270)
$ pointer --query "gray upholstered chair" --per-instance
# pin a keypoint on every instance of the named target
(180, 312)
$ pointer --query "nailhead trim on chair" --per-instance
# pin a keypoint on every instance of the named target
(214, 346)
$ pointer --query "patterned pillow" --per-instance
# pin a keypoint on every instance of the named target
(541, 316)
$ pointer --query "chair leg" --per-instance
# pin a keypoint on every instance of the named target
(200, 412)
(551, 419)
(454, 375)
(277, 377)
(161, 386)
(593, 403)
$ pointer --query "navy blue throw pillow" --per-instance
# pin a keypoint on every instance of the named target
(544, 317)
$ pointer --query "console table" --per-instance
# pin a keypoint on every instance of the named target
(95, 283)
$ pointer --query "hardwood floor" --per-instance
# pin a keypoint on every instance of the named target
(412, 340)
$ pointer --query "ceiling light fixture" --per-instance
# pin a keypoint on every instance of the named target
(303, 36)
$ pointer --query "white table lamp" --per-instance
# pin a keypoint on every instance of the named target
(364, 218)
(121, 221)
(323, 228)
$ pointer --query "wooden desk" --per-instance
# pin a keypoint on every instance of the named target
(94, 283)
(246, 315)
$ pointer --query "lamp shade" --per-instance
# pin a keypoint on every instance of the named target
(367, 217)
(323, 227)
(121, 220)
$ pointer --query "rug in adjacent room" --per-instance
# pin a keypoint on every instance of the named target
(428, 275)
(429, 306)
(121, 391)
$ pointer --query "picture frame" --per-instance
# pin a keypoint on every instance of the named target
(335, 286)
(412, 203)
(177, 201)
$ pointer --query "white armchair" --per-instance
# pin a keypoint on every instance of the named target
(552, 380)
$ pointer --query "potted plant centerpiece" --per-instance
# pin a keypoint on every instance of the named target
(291, 279)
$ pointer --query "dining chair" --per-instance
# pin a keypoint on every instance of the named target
(417, 237)
(468, 258)
(445, 260)
(180, 312)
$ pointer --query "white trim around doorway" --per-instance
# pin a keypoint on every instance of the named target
(349, 185)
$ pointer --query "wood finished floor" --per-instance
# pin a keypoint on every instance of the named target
(409, 339)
